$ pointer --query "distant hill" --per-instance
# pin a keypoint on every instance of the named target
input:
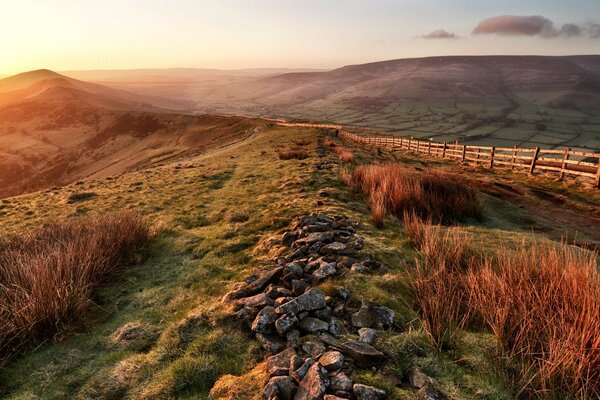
(504, 100)
(55, 130)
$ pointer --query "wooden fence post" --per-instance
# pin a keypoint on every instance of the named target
(534, 159)
(429, 148)
(492, 157)
(409, 140)
(418, 142)
(564, 163)
(464, 153)
(514, 159)
(598, 175)
(444, 151)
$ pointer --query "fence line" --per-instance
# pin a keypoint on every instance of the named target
(564, 162)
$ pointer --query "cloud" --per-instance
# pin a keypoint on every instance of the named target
(440, 34)
(531, 25)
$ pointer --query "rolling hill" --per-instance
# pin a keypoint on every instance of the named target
(501, 100)
(55, 130)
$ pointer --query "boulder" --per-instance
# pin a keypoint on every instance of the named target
(314, 384)
(363, 354)
(298, 287)
(312, 299)
(301, 371)
(332, 397)
(265, 320)
(325, 271)
(257, 301)
(340, 381)
(292, 337)
(336, 327)
(323, 313)
(428, 392)
(371, 315)
(295, 269)
(313, 347)
(288, 238)
(335, 248)
(418, 379)
(276, 292)
(271, 344)
(367, 335)
(332, 360)
(280, 388)
(285, 323)
(364, 392)
(313, 325)
(324, 237)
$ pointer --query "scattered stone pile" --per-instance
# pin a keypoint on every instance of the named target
(315, 341)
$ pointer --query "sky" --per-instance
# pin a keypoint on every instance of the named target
(232, 34)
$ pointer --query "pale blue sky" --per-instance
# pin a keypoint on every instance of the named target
(75, 34)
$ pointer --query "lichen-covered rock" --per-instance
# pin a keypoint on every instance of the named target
(279, 363)
(313, 347)
(280, 388)
(271, 344)
(363, 354)
(332, 360)
(314, 384)
(371, 315)
(428, 392)
(312, 299)
(285, 323)
(340, 382)
(313, 325)
(418, 379)
(255, 286)
(364, 392)
(325, 271)
(265, 320)
(367, 335)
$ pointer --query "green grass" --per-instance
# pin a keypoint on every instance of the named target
(216, 213)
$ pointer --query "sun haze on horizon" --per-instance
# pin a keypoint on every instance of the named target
(227, 34)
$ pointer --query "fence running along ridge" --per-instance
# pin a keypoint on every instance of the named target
(563, 162)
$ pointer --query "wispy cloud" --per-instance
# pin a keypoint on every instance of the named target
(533, 25)
(440, 34)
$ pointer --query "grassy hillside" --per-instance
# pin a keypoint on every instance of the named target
(159, 329)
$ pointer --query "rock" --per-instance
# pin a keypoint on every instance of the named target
(280, 388)
(343, 293)
(329, 340)
(428, 392)
(371, 315)
(345, 262)
(276, 292)
(363, 354)
(323, 237)
(367, 335)
(258, 301)
(314, 384)
(312, 299)
(315, 248)
(265, 320)
(298, 253)
(300, 373)
(360, 269)
(364, 392)
(418, 379)
(288, 238)
(332, 360)
(336, 327)
(271, 344)
(338, 309)
(279, 364)
(292, 337)
(313, 325)
(295, 269)
(298, 287)
(324, 194)
(335, 248)
(340, 381)
(323, 313)
(324, 271)
(295, 363)
(314, 348)
(255, 286)
(281, 300)
(285, 323)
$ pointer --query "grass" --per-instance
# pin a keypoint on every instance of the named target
(47, 274)
(393, 189)
(345, 154)
(293, 153)
(539, 300)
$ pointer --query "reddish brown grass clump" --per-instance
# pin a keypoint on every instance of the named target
(540, 301)
(47, 275)
(345, 154)
(294, 153)
(440, 197)
(302, 142)
(328, 142)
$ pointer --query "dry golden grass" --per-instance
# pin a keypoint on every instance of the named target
(440, 197)
(328, 142)
(47, 274)
(302, 142)
(540, 301)
(345, 154)
(293, 153)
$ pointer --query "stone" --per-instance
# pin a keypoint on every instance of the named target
(260, 300)
(360, 269)
(336, 327)
(323, 313)
(276, 292)
(332, 360)
(265, 320)
(428, 392)
(300, 373)
(280, 388)
(295, 269)
(315, 248)
(281, 300)
(385, 317)
(370, 315)
(288, 238)
(324, 194)
(312, 299)
(363, 354)
(313, 325)
(292, 337)
(364, 392)
(271, 344)
(325, 271)
(295, 363)
(314, 384)
(367, 335)
(418, 379)
(314, 348)
(279, 364)
(343, 293)
(298, 253)
(334, 248)
(323, 237)
(255, 286)
(285, 323)
(345, 262)
(340, 381)
(328, 339)
(298, 287)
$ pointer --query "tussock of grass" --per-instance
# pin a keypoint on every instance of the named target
(302, 142)
(290, 154)
(540, 301)
(392, 189)
(345, 154)
(47, 274)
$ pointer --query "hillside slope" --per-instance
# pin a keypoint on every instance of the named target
(55, 130)
(220, 213)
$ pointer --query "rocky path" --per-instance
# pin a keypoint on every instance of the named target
(315, 341)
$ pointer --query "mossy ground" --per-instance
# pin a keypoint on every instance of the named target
(214, 212)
